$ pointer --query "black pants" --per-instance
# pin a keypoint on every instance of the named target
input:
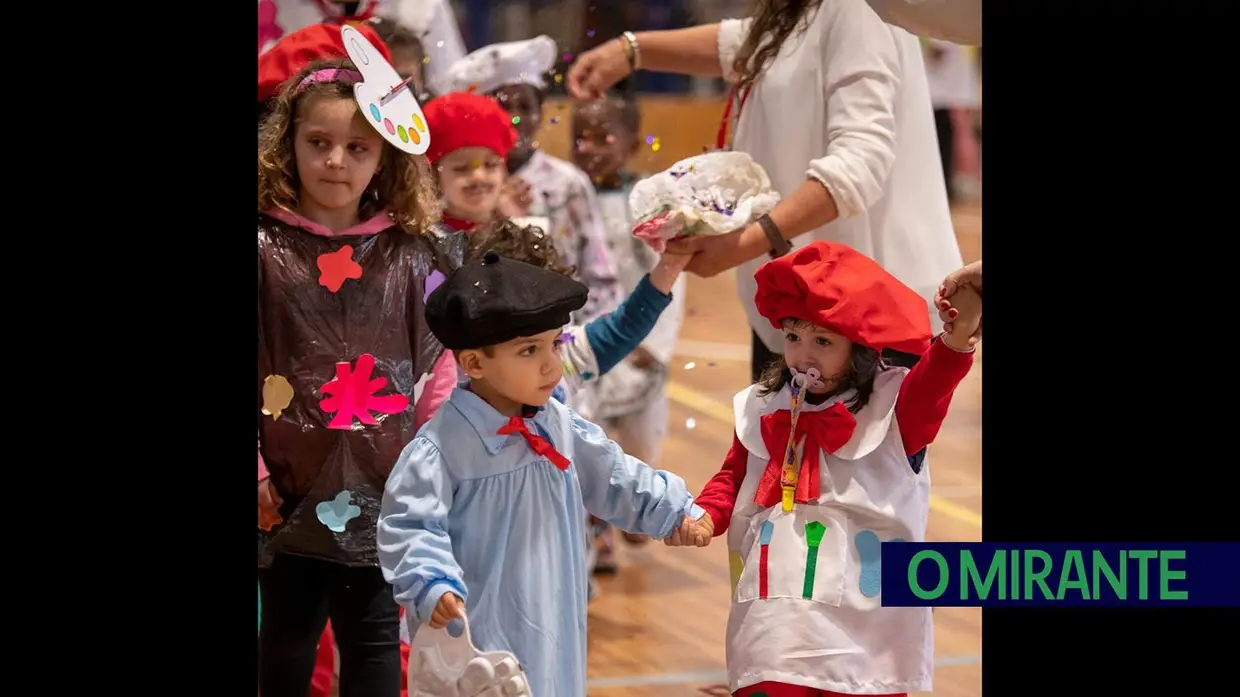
(762, 356)
(299, 594)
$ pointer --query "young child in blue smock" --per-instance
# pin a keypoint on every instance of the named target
(482, 515)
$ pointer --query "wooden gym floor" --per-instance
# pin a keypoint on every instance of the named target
(657, 629)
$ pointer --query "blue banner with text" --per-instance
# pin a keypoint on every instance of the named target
(1064, 574)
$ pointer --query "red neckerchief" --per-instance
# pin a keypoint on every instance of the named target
(459, 224)
(721, 140)
(828, 430)
(538, 444)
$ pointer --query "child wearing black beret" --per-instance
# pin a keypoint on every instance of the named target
(482, 516)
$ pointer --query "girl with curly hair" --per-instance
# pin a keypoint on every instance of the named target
(347, 252)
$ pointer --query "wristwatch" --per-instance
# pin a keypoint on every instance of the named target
(779, 245)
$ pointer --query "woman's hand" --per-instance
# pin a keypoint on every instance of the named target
(714, 254)
(597, 70)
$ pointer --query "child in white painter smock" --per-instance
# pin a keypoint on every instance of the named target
(632, 399)
(513, 73)
(806, 630)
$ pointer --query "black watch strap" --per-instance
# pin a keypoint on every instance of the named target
(779, 246)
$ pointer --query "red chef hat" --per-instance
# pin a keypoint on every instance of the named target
(464, 119)
(301, 48)
(836, 287)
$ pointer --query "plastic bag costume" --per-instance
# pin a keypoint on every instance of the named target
(301, 339)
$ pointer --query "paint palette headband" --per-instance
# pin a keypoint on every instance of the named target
(385, 98)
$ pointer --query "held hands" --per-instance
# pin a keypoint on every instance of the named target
(714, 254)
(965, 329)
(449, 607)
(968, 277)
(269, 502)
(692, 533)
(663, 276)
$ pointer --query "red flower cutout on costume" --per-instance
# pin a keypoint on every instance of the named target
(336, 267)
(352, 394)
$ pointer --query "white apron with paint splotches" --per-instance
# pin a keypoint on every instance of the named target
(821, 624)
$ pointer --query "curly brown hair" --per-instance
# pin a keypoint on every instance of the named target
(773, 22)
(863, 367)
(404, 184)
(527, 244)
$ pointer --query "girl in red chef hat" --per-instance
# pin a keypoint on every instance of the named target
(828, 461)
(472, 138)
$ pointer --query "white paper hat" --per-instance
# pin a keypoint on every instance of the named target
(385, 98)
(491, 67)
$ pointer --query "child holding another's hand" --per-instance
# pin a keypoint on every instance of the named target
(483, 514)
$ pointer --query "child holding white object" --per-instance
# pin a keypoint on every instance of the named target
(484, 512)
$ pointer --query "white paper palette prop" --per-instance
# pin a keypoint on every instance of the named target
(709, 194)
(385, 98)
(441, 665)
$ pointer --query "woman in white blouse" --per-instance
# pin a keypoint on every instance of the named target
(833, 103)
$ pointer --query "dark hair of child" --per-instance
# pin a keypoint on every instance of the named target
(404, 185)
(401, 40)
(862, 369)
(528, 244)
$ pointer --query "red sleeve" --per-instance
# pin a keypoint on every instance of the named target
(718, 497)
(926, 393)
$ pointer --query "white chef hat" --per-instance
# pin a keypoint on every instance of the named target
(491, 67)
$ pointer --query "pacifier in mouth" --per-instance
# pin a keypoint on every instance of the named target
(810, 379)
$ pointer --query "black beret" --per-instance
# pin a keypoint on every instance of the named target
(497, 300)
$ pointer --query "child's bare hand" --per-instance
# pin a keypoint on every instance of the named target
(449, 607)
(692, 533)
(669, 268)
(965, 328)
(268, 505)
(515, 198)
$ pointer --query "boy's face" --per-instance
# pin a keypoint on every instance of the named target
(601, 143)
(471, 180)
(524, 370)
(808, 346)
(524, 103)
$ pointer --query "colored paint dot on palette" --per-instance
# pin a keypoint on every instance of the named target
(374, 113)
(417, 139)
(400, 131)
(391, 129)
(417, 122)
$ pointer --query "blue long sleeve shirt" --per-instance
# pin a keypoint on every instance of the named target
(479, 514)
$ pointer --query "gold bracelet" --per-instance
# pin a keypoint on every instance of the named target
(633, 50)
